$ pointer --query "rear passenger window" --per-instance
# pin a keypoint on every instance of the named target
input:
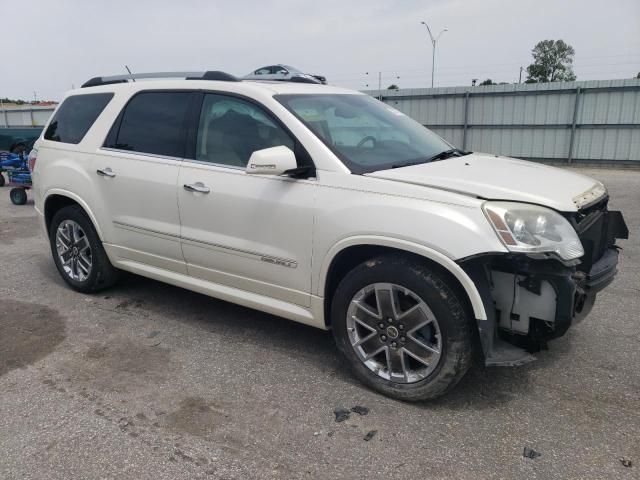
(75, 116)
(153, 122)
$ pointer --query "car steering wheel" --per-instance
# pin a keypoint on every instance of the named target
(365, 140)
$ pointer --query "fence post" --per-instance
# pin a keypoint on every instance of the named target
(466, 116)
(573, 125)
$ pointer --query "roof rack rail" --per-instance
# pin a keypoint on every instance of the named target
(303, 80)
(208, 75)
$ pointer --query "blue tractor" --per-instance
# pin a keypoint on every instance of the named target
(16, 168)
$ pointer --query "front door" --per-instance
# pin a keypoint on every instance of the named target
(251, 232)
(137, 173)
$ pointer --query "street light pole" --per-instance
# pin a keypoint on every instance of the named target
(433, 43)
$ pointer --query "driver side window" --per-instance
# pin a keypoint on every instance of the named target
(231, 129)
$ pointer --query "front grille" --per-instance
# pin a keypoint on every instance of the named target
(590, 224)
(598, 228)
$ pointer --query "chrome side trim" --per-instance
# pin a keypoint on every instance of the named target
(142, 154)
(137, 229)
(212, 164)
(283, 262)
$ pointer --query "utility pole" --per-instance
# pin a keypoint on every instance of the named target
(35, 97)
(433, 43)
(520, 79)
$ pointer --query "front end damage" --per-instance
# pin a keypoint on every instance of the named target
(532, 299)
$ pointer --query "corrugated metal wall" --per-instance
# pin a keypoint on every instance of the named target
(581, 122)
(24, 116)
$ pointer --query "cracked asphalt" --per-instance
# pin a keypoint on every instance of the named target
(148, 381)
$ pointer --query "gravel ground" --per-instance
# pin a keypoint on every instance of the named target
(150, 381)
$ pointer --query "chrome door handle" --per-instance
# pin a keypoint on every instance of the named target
(107, 172)
(196, 187)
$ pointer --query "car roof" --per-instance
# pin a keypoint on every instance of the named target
(248, 87)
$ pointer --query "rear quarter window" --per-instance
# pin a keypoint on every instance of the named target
(152, 122)
(74, 118)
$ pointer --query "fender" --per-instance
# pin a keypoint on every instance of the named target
(439, 258)
(80, 201)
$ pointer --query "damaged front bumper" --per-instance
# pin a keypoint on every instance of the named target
(529, 301)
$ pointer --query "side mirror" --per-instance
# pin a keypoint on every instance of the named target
(271, 161)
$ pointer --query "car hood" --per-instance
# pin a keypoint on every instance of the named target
(502, 178)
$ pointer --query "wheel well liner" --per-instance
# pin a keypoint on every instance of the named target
(56, 201)
(352, 256)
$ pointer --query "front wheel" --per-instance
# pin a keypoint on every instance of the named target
(402, 329)
(78, 252)
(2, 180)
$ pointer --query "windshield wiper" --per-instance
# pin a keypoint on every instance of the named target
(453, 152)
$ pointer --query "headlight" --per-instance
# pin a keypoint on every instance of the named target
(533, 229)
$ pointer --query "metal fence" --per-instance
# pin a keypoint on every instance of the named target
(20, 117)
(574, 122)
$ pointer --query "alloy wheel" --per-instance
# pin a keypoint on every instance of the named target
(394, 333)
(74, 251)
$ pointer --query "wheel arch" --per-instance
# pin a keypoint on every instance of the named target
(56, 199)
(348, 253)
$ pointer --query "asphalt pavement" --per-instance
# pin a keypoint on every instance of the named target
(148, 381)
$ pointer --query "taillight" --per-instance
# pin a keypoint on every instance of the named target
(33, 156)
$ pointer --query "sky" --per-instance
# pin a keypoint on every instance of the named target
(58, 45)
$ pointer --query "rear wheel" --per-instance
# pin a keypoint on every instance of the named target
(18, 196)
(2, 180)
(402, 329)
(78, 252)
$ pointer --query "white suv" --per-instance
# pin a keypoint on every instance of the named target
(327, 207)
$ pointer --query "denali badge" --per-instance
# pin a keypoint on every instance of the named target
(270, 166)
(280, 261)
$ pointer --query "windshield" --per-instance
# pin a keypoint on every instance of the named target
(366, 134)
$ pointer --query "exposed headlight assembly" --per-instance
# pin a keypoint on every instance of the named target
(533, 229)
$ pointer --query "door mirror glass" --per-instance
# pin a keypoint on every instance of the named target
(271, 161)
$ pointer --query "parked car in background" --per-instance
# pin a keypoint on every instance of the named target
(283, 72)
(329, 208)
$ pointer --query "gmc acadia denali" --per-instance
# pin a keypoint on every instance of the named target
(327, 207)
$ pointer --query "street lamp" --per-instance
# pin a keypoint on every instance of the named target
(433, 42)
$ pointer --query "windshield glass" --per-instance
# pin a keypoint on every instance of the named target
(366, 134)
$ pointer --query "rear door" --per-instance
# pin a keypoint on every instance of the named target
(252, 232)
(137, 170)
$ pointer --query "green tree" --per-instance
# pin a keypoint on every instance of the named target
(488, 81)
(552, 62)
(638, 76)
(393, 86)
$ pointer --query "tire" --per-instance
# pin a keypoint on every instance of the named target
(445, 339)
(18, 196)
(100, 274)
(2, 180)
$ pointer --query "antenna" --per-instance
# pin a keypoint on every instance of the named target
(130, 73)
